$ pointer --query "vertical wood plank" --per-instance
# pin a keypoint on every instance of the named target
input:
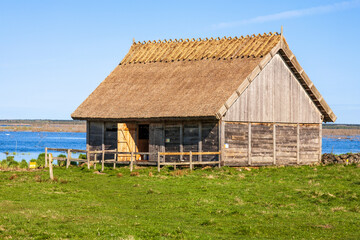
(181, 139)
(274, 138)
(103, 157)
(200, 142)
(95, 160)
(249, 142)
(158, 161)
(191, 165)
(298, 145)
(87, 139)
(222, 141)
(320, 141)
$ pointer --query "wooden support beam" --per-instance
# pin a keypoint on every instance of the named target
(95, 160)
(191, 165)
(222, 141)
(274, 138)
(158, 161)
(298, 145)
(320, 142)
(249, 145)
(181, 139)
(199, 141)
(103, 158)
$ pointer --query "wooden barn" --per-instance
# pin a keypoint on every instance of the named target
(245, 97)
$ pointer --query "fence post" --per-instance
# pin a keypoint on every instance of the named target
(46, 158)
(88, 159)
(51, 167)
(95, 160)
(131, 161)
(68, 158)
(115, 160)
(220, 159)
(158, 161)
(191, 165)
(103, 160)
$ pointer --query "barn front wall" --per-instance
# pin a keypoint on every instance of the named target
(165, 136)
(259, 144)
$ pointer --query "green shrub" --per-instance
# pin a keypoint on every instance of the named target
(82, 156)
(9, 162)
(23, 164)
(62, 163)
(40, 162)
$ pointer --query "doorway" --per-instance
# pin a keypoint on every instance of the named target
(143, 140)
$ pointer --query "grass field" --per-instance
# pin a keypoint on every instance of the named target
(307, 202)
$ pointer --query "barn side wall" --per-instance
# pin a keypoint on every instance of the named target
(275, 95)
(259, 144)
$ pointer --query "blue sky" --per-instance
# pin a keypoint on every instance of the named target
(53, 54)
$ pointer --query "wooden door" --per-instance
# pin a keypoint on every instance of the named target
(126, 140)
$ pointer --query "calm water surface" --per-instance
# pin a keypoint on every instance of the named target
(28, 145)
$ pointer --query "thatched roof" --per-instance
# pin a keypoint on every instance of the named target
(180, 78)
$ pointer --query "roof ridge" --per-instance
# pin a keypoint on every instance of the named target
(201, 48)
(180, 40)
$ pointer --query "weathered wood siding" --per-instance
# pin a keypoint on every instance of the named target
(275, 95)
(210, 140)
(262, 146)
(183, 137)
(191, 139)
(237, 140)
(286, 144)
(172, 141)
(156, 140)
(95, 135)
(309, 143)
(255, 144)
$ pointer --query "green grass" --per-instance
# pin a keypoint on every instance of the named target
(321, 202)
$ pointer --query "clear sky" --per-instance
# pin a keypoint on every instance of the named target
(53, 54)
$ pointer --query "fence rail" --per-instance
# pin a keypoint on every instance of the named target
(191, 163)
(132, 155)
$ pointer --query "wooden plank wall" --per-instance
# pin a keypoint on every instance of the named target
(236, 138)
(309, 142)
(275, 95)
(95, 135)
(271, 144)
(262, 149)
(184, 137)
(210, 140)
(286, 144)
(156, 140)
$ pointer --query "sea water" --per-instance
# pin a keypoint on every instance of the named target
(28, 145)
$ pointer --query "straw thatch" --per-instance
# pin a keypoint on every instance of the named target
(179, 79)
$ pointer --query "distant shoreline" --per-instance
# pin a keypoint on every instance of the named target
(80, 126)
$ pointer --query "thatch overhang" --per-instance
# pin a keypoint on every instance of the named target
(188, 79)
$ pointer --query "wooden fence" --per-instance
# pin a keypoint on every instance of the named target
(191, 163)
(94, 155)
